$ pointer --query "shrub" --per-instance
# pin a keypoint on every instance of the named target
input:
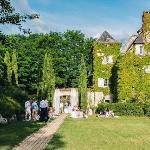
(12, 101)
(127, 109)
(15, 93)
(146, 108)
(9, 106)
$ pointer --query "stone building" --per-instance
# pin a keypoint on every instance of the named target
(106, 56)
(106, 51)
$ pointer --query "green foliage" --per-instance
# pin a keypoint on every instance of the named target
(9, 106)
(15, 66)
(133, 82)
(1, 67)
(105, 71)
(9, 16)
(9, 66)
(83, 85)
(65, 49)
(48, 78)
(12, 66)
(15, 93)
(12, 100)
(127, 109)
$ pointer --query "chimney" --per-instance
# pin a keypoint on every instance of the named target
(146, 26)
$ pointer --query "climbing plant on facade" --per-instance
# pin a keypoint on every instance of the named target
(104, 71)
(133, 82)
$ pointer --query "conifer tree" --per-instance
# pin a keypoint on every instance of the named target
(83, 85)
(48, 78)
(15, 66)
(9, 66)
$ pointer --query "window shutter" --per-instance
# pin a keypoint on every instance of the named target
(100, 82)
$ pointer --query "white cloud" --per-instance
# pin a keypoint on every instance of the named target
(54, 22)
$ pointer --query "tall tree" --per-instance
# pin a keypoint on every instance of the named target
(48, 78)
(83, 85)
(9, 66)
(15, 66)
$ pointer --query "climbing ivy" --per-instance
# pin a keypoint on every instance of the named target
(104, 71)
(133, 82)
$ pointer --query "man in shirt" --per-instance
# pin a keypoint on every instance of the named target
(44, 110)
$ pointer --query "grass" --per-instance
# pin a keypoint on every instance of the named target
(124, 133)
(13, 133)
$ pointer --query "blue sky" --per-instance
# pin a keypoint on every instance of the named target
(120, 17)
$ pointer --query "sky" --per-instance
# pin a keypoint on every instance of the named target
(121, 18)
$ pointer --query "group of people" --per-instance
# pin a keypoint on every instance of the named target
(74, 111)
(107, 114)
(78, 113)
(35, 110)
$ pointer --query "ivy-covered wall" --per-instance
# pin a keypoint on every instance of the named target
(133, 81)
(104, 71)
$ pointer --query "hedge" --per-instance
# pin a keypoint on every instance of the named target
(12, 101)
(126, 109)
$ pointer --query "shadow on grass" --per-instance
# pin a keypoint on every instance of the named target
(56, 142)
(13, 133)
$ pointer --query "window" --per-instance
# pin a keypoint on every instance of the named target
(105, 82)
(104, 61)
(141, 50)
(102, 82)
(110, 59)
(107, 60)
(147, 69)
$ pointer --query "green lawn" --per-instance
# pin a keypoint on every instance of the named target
(14, 133)
(124, 133)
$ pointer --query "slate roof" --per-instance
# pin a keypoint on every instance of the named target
(106, 38)
(139, 40)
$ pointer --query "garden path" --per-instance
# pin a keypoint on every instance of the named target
(40, 139)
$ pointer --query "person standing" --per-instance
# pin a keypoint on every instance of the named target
(34, 110)
(44, 110)
(61, 107)
(27, 111)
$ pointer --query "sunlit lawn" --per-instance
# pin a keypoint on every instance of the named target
(14, 133)
(124, 133)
